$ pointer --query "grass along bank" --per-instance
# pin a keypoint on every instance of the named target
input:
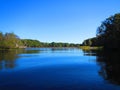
(91, 47)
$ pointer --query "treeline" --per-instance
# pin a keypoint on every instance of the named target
(90, 42)
(108, 34)
(36, 43)
(10, 40)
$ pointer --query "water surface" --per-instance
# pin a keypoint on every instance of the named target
(57, 69)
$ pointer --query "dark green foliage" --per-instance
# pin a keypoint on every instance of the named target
(31, 43)
(91, 42)
(36, 43)
(108, 34)
(60, 44)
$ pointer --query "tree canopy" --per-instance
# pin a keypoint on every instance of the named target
(36, 43)
(9, 40)
(108, 34)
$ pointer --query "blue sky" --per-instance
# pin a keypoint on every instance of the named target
(55, 20)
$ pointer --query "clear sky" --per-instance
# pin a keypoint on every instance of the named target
(55, 20)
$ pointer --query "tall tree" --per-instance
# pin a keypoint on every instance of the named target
(108, 32)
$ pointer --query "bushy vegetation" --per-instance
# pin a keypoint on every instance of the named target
(36, 43)
(91, 47)
(91, 42)
(31, 43)
(108, 34)
(9, 40)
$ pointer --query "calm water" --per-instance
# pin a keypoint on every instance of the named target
(59, 69)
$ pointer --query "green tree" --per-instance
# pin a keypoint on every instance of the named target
(9, 40)
(108, 33)
(1, 39)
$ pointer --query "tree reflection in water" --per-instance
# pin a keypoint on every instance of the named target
(8, 57)
(109, 64)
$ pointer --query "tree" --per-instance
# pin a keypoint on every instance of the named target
(9, 40)
(1, 39)
(108, 32)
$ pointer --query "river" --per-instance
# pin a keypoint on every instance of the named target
(58, 69)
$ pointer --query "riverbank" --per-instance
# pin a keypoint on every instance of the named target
(91, 48)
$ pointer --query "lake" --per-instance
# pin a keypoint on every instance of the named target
(59, 69)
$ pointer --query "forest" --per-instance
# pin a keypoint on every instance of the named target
(108, 34)
(10, 40)
(36, 43)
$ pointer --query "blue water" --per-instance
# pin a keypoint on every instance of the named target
(51, 69)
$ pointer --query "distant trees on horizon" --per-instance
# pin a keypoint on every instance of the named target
(108, 36)
(36, 43)
(10, 40)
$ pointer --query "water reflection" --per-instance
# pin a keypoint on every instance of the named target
(90, 52)
(58, 69)
(109, 65)
(8, 57)
(109, 62)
